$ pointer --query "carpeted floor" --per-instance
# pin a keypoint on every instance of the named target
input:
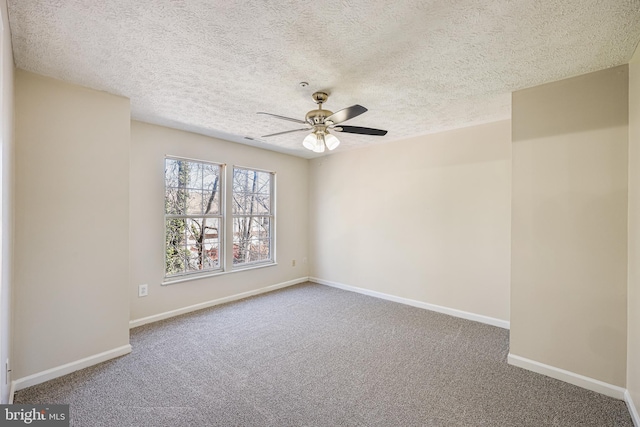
(312, 355)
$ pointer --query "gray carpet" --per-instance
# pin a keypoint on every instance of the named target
(312, 355)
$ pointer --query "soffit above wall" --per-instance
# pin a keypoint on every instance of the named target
(419, 67)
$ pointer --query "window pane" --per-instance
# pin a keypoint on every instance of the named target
(211, 199)
(175, 201)
(194, 229)
(174, 260)
(203, 243)
(242, 188)
(171, 172)
(211, 187)
(175, 228)
(194, 261)
(264, 229)
(263, 204)
(240, 252)
(254, 255)
(261, 250)
(241, 232)
(210, 175)
(251, 192)
(241, 199)
(195, 175)
(175, 246)
(194, 202)
(194, 244)
(211, 259)
(251, 239)
(239, 203)
(211, 243)
(264, 183)
(211, 229)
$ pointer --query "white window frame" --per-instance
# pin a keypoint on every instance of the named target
(220, 216)
(271, 216)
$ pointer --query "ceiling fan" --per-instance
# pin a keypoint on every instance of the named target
(320, 122)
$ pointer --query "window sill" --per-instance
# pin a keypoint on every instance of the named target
(189, 278)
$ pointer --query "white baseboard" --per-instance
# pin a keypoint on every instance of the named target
(12, 391)
(633, 410)
(432, 307)
(567, 376)
(167, 314)
(67, 368)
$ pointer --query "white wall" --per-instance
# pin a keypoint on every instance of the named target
(71, 246)
(149, 146)
(569, 232)
(6, 191)
(633, 304)
(426, 219)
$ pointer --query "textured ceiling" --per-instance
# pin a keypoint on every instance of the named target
(419, 66)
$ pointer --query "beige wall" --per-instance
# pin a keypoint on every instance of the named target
(6, 190)
(149, 145)
(71, 223)
(425, 218)
(633, 304)
(428, 218)
(569, 225)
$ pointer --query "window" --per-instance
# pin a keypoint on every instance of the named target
(193, 217)
(252, 216)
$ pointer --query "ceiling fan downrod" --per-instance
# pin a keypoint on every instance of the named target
(317, 117)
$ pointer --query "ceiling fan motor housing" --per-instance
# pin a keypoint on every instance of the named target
(317, 117)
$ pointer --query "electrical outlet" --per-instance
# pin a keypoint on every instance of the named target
(143, 290)
(293, 263)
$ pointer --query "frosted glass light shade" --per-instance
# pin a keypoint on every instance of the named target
(331, 141)
(309, 142)
(314, 142)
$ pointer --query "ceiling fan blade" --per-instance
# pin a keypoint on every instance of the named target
(302, 122)
(346, 114)
(282, 133)
(360, 130)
